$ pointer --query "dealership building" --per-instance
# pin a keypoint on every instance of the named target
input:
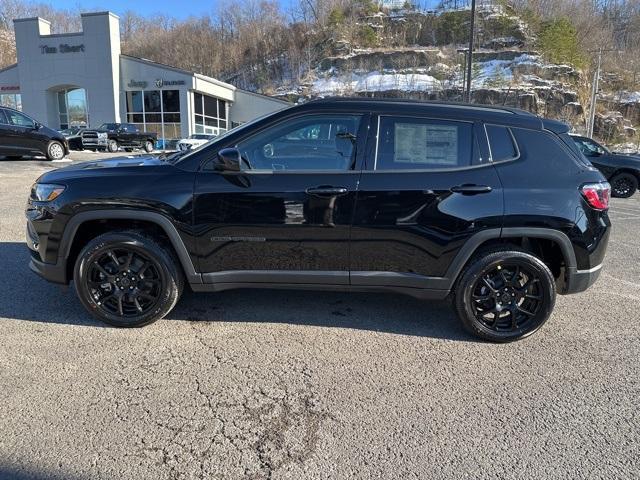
(82, 79)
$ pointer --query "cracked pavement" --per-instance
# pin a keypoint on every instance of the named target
(279, 384)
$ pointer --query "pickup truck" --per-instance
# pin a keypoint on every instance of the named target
(112, 136)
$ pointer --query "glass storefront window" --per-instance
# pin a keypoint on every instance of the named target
(72, 108)
(210, 114)
(156, 111)
(12, 100)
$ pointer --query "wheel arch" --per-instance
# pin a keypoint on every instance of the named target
(521, 237)
(74, 226)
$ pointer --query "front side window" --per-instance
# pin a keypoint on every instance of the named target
(589, 148)
(316, 142)
(407, 143)
(18, 119)
(3, 118)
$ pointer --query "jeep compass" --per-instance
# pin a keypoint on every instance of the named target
(491, 207)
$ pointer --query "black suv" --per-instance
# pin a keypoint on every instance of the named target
(492, 207)
(21, 135)
(622, 171)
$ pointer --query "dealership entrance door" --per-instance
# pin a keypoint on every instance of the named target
(72, 108)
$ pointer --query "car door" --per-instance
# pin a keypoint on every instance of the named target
(425, 191)
(286, 217)
(5, 134)
(23, 137)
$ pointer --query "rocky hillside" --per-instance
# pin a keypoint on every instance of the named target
(506, 71)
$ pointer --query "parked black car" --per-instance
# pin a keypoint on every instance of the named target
(493, 207)
(622, 170)
(112, 136)
(22, 136)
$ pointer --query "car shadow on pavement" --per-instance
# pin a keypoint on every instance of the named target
(28, 297)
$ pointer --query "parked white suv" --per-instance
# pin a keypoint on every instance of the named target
(194, 141)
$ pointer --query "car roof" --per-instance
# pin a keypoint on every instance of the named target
(398, 106)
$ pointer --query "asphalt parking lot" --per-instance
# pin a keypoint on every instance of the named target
(279, 384)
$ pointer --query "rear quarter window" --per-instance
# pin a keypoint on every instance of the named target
(501, 143)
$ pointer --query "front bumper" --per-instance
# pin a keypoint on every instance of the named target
(50, 272)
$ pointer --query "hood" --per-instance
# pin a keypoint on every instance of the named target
(623, 156)
(111, 166)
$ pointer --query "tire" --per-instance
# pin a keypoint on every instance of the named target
(498, 287)
(55, 150)
(623, 185)
(148, 146)
(112, 146)
(135, 294)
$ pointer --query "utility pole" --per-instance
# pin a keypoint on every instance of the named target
(470, 53)
(594, 95)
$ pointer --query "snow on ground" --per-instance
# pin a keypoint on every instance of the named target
(492, 73)
(376, 82)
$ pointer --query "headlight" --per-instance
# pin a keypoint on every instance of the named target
(46, 192)
(102, 135)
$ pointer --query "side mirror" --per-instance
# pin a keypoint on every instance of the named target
(37, 125)
(228, 160)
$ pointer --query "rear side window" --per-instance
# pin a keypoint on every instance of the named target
(407, 143)
(501, 143)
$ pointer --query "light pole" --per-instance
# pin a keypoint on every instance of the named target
(470, 53)
(594, 96)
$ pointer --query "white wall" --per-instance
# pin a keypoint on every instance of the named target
(248, 106)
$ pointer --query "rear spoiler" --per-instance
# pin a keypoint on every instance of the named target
(555, 126)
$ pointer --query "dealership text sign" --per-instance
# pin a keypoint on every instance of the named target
(62, 48)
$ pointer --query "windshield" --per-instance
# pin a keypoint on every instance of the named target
(201, 136)
(108, 126)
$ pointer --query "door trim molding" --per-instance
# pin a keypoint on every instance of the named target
(298, 277)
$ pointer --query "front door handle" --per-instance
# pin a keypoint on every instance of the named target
(326, 191)
(471, 189)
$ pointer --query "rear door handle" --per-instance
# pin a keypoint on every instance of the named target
(326, 191)
(471, 189)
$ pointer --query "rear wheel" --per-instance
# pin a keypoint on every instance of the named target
(55, 151)
(504, 296)
(624, 185)
(127, 279)
(112, 146)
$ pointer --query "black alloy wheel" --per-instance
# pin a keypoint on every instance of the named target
(624, 185)
(127, 279)
(505, 296)
(124, 282)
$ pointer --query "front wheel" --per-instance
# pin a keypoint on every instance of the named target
(55, 151)
(112, 146)
(504, 296)
(148, 146)
(127, 279)
(624, 185)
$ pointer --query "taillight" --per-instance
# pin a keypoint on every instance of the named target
(597, 195)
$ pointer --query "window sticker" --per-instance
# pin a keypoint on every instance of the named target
(426, 144)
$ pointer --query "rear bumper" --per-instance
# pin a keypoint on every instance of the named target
(579, 280)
